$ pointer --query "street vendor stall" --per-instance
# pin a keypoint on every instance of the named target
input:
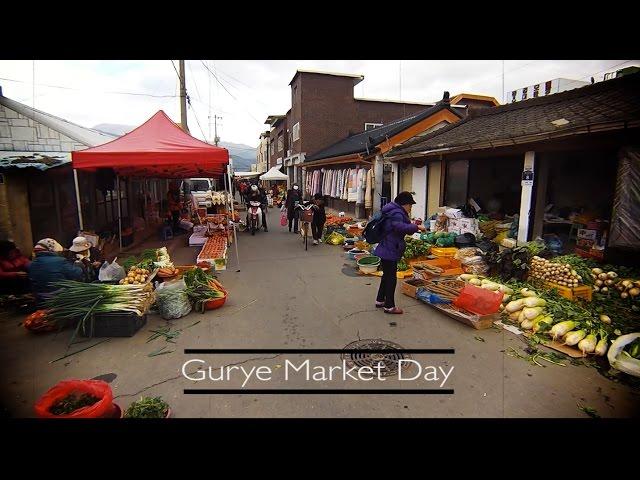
(158, 148)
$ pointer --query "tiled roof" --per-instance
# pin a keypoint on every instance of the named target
(594, 105)
(369, 139)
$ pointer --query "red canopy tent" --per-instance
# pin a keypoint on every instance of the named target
(158, 148)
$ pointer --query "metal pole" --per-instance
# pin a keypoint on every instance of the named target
(119, 211)
(235, 235)
(75, 180)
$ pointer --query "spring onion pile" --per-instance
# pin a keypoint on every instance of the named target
(78, 300)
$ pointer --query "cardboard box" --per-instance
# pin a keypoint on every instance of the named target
(463, 225)
(585, 243)
(588, 234)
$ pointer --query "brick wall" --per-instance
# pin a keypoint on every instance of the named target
(19, 133)
(383, 112)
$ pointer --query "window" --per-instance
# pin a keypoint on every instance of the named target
(536, 90)
(371, 126)
(296, 132)
(280, 142)
(513, 96)
(547, 88)
(295, 91)
(524, 93)
(456, 182)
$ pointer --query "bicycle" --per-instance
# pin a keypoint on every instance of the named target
(306, 217)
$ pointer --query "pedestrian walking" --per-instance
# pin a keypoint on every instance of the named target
(319, 218)
(396, 225)
(294, 197)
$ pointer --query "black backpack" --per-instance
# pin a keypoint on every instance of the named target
(374, 231)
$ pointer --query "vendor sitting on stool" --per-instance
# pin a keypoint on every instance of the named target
(14, 266)
(81, 247)
(48, 267)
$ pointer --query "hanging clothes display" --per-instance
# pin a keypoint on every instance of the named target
(353, 189)
(368, 196)
(360, 185)
(345, 188)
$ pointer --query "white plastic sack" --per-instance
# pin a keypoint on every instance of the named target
(172, 299)
(620, 361)
(111, 272)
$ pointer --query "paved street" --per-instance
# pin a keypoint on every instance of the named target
(284, 297)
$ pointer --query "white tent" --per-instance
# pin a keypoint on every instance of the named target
(274, 174)
(245, 174)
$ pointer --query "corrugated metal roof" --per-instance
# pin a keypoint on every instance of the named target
(86, 136)
(40, 161)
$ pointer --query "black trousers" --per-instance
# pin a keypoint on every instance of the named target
(293, 217)
(316, 230)
(176, 219)
(388, 283)
(264, 216)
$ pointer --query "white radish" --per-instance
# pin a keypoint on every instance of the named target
(572, 338)
(562, 328)
(515, 305)
(588, 343)
(531, 313)
(534, 302)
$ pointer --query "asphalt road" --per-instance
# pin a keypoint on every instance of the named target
(284, 298)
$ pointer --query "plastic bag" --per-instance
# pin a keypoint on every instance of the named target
(475, 260)
(479, 300)
(111, 272)
(283, 218)
(172, 299)
(465, 253)
(103, 408)
(335, 239)
(476, 269)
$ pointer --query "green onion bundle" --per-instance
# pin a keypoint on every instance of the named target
(76, 299)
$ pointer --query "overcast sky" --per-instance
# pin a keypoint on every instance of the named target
(246, 92)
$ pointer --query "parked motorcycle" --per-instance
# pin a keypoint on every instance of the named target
(254, 217)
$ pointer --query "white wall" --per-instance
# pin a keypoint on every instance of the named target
(19, 133)
(419, 176)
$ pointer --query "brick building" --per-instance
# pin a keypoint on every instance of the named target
(323, 111)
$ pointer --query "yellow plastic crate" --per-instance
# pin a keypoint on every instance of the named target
(447, 252)
(583, 291)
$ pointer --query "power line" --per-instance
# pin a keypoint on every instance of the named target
(194, 80)
(226, 90)
(196, 117)
(88, 90)
(176, 70)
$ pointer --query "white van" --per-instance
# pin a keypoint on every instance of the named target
(200, 189)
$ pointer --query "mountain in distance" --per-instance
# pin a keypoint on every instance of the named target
(243, 155)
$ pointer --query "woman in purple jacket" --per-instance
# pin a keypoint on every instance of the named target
(391, 248)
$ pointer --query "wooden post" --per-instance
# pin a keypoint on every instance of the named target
(525, 197)
(119, 211)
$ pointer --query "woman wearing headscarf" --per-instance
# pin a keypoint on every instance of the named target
(294, 196)
(49, 267)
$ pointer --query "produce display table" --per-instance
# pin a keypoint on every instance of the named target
(214, 252)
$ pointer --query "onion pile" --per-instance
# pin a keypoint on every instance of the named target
(606, 282)
(558, 273)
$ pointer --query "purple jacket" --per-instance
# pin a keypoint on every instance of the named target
(397, 225)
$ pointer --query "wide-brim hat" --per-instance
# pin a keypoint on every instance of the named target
(80, 244)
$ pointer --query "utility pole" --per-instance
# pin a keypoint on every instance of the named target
(216, 139)
(183, 98)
